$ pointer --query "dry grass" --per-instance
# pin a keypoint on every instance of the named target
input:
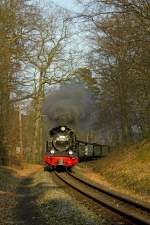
(127, 170)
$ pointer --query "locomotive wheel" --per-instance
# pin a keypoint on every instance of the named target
(48, 168)
(69, 169)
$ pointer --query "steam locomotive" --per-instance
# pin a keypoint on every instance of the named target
(61, 149)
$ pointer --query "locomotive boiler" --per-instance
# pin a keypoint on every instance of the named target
(61, 148)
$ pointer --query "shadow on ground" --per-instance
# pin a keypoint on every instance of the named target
(27, 212)
(8, 180)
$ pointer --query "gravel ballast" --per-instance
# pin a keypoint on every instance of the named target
(60, 208)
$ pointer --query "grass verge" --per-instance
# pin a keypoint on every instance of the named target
(127, 169)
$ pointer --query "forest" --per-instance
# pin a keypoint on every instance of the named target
(103, 50)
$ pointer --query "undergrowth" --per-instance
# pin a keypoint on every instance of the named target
(126, 168)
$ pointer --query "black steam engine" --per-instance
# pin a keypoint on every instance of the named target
(61, 148)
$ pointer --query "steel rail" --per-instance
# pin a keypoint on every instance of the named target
(138, 219)
(117, 195)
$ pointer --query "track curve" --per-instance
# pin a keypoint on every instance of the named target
(122, 205)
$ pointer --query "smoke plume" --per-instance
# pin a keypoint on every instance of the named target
(72, 105)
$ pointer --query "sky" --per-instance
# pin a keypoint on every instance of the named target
(65, 3)
(68, 4)
(71, 5)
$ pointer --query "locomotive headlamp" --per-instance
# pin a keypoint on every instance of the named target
(63, 128)
(52, 151)
(70, 152)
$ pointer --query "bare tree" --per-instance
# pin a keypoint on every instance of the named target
(46, 44)
(13, 15)
(119, 57)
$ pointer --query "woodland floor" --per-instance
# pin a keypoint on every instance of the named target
(31, 197)
(16, 207)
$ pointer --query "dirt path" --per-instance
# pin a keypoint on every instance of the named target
(26, 211)
(17, 207)
(32, 197)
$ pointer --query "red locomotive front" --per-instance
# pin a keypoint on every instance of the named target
(61, 148)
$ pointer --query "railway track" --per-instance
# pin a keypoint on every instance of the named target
(128, 208)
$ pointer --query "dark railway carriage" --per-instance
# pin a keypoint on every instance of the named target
(90, 151)
(61, 148)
